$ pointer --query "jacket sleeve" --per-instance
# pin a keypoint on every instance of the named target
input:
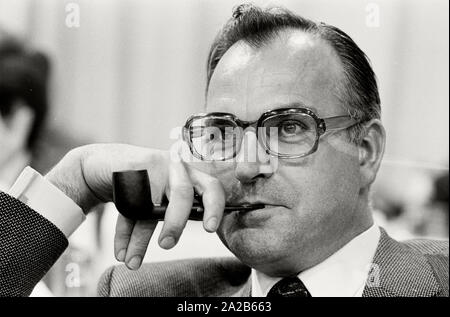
(29, 246)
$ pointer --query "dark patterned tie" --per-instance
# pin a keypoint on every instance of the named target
(289, 287)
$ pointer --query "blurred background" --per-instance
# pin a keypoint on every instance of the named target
(130, 71)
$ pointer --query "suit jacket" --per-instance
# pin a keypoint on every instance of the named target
(30, 245)
(413, 268)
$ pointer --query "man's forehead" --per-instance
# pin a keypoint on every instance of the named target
(294, 67)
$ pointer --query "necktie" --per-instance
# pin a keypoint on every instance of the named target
(289, 287)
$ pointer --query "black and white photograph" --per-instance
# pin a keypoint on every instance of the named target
(116, 178)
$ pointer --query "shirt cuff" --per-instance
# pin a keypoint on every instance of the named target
(34, 190)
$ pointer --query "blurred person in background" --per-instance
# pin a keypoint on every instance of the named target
(24, 75)
(435, 219)
(410, 202)
(26, 140)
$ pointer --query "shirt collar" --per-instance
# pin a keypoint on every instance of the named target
(343, 274)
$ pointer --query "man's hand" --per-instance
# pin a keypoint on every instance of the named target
(85, 175)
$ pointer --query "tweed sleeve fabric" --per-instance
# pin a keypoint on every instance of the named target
(182, 278)
(29, 246)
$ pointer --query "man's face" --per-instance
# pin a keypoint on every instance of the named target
(312, 201)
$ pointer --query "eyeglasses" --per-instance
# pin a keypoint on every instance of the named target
(287, 133)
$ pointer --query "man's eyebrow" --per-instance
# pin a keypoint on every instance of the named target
(296, 104)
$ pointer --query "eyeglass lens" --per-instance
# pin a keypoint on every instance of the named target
(292, 134)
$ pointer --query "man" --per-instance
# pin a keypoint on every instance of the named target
(293, 122)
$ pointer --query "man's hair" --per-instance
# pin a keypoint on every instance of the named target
(256, 26)
(23, 77)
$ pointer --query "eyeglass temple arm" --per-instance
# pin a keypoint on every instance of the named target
(339, 122)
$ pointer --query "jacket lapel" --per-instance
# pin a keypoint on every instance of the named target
(399, 270)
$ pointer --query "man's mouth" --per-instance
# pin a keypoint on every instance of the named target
(259, 203)
(243, 207)
(256, 207)
(249, 206)
(256, 218)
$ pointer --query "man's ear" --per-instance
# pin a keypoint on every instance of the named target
(371, 150)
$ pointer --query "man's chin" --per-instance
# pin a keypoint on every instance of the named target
(254, 246)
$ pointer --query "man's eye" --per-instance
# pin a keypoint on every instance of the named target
(291, 128)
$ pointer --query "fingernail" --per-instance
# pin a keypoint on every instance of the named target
(121, 255)
(211, 224)
(167, 242)
(135, 262)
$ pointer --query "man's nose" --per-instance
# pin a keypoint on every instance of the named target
(252, 161)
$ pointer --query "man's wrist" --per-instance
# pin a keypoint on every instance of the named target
(68, 177)
(32, 189)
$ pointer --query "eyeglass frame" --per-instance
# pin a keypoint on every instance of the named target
(323, 125)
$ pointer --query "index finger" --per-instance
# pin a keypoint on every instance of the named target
(181, 197)
(213, 197)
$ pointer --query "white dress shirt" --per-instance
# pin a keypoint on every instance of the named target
(343, 274)
(46, 199)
